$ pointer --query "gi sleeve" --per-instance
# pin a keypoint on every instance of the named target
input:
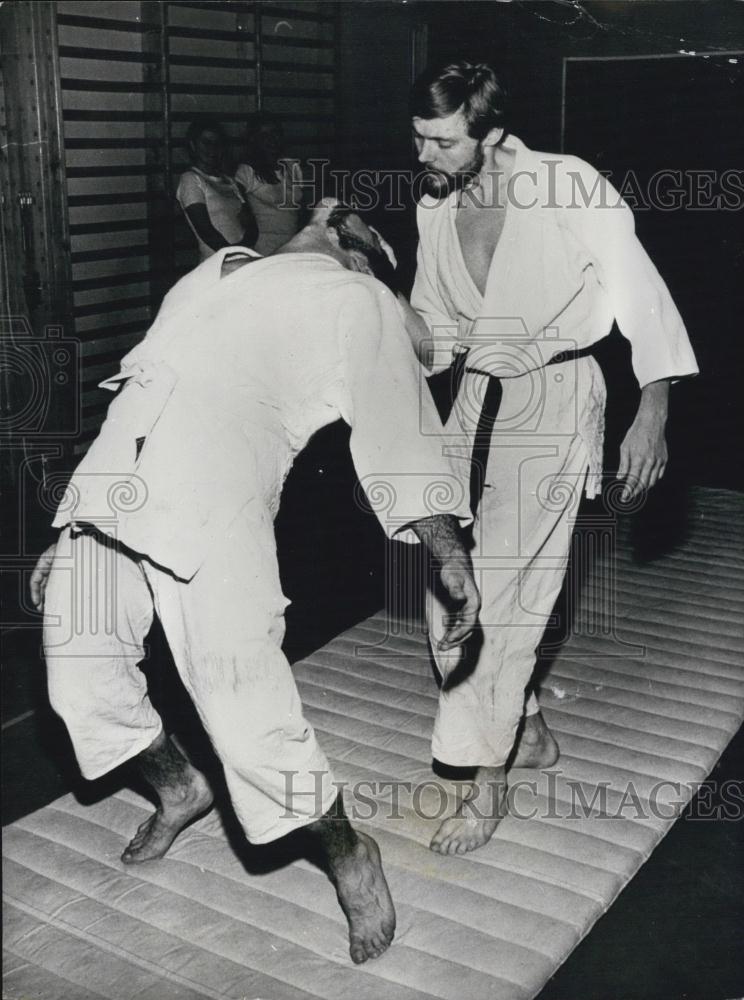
(642, 305)
(397, 440)
(427, 299)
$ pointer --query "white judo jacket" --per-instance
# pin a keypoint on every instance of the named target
(229, 384)
(567, 263)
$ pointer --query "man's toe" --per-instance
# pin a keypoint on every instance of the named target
(358, 953)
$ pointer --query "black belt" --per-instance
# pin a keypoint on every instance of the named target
(482, 440)
(487, 418)
(584, 352)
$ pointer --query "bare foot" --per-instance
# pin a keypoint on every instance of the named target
(477, 816)
(365, 899)
(536, 746)
(178, 808)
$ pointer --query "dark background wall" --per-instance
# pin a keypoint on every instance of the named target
(616, 83)
(626, 86)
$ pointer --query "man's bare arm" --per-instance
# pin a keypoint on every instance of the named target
(418, 332)
(199, 218)
(443, 538)
(37, 583)
(643, 453)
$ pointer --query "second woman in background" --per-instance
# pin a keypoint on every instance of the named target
(273, 184)
(214, 204)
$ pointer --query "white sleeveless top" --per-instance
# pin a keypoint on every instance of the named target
(276, 207)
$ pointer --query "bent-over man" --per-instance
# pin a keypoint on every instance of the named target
(171, 511)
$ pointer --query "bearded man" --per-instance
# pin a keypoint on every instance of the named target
(525, 259)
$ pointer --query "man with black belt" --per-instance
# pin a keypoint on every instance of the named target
(525, 259)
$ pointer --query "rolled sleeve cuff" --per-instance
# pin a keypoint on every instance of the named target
(673, 364)
(400, 501)
(441, 355)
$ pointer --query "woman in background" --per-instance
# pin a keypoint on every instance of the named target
(214, 204)
(273, 184)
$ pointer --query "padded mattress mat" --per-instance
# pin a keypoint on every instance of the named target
(641, 712)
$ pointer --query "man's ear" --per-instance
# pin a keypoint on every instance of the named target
(323, 209)
(359, 262)
(494, 137)
(331, 233)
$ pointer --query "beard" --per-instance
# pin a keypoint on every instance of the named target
(439, 184)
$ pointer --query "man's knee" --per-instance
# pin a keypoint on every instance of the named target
(61, 688)
(71, 683)
(250, 748)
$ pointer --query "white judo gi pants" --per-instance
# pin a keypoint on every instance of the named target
(225, 628)
(537, 467)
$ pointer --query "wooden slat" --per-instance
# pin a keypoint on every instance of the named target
(218, 62)
(110, 253)
(114, 226)
(109, 115)
(114, 198)
(304, 92)
(213, 88)
(112, 306)
(94, 338)
(107, 55)
(112, 109)
(105, 23)
(114, 345)
(281, 41)
(110, 86)
(213, 34)
(302, 13)
(231, 7)
(114, 280)
(289, 66)
(122, 170)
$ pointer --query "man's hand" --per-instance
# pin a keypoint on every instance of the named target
(40, 575)
(643, 453)
(457, 579)
(442, 536)
(385, 246)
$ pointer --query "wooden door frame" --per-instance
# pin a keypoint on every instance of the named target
(39, 356)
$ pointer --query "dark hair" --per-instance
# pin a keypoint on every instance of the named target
(204, 123)
(382, 267)
(339, 214)
(266, 169)
(440, 91)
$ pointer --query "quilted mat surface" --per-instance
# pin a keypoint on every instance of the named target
(642, 712)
